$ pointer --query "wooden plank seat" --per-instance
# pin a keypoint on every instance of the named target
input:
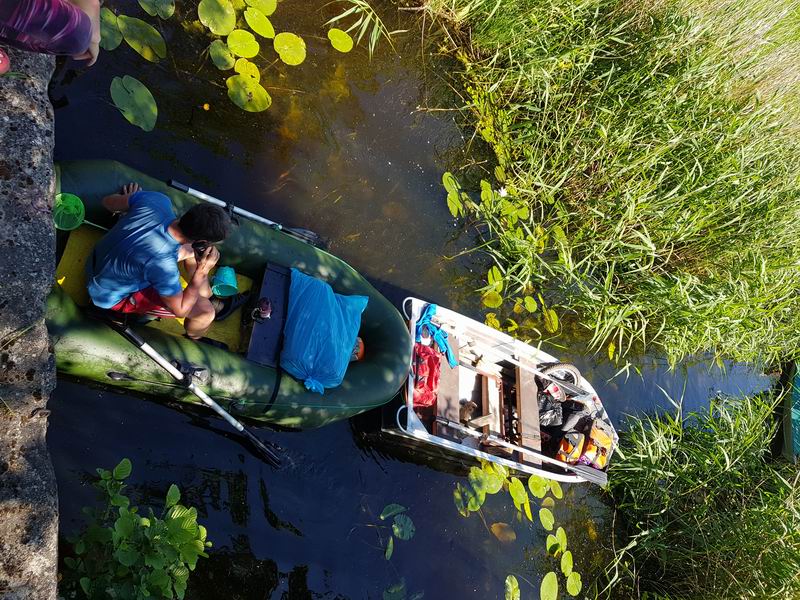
(448, 397)
(528, 412)
(265, 340)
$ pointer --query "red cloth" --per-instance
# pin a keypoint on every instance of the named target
(427, 368)
(144, 302)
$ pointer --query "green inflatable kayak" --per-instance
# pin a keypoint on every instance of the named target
(243, 378)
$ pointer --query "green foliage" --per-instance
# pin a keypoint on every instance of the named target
(218, 15)
(259, 23)
(221, 55)
(512, 588)
(266, 7)
(242, 43)
(548, 590)
(142, 37)
(136, 104)
(403, 527)
(546, 518)
(290, 48)
(363, 19)
(247, 93)
(707, 512)
(163, 8)
(124, 555)
(665, 185)
(391, 510)
(110, 35)
(340, 40)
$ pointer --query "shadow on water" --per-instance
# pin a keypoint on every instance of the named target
(346, 151)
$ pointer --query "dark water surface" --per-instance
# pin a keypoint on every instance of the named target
(349, 154)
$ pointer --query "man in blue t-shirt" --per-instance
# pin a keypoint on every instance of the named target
(134, 268)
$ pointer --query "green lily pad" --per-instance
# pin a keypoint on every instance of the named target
(391, 510)
(547, 519)
(574, 584)
(163, 8)
(561, 536)
(492, 299)
(265, 6)
(340, 40)
(548, 502)
(550, 320)
(494, 482)
(245, 67)
(396, 591)
(552, 545)
(134, 101)
(243, 43)
(566, 564)
(460, 499)
(555, 489)
(110, 35)
(247, 93)
(218, 15)
(403, 527)
(538, 486)
(474, 498)
(290, 47)
(549, 587)
(142, 37)
(239, 5)
(389, 549)
(259, 23)
(478, 479)
(221, 55)
(518, 493)
(530, 304)
(511, 588)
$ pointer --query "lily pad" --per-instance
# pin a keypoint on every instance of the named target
(454, 204)
(479, 480)
(389, 549)
(549, 587)
(503, 532)
(574, 584)
(259, 23)
(340, 40)
(110, 35)
(518, 493)
(492, 299)
(511, 588)
(561, 536)
(245, 67)
(396, 591)
(142, 37)
(243, 43)
(552, 545)
(547, 519)
(460, 499)
(550, 320)
(566, 564)
(391, 510)
(450, 183)
(134, 101)
(555, 489)
(474, 498)
(221, 55)
(247, 93)
(548, 502)
(218, 15)
(265, 6)
(538, 486)
(290, 47)
(530, 304)
(163, 8)
(494, 481)
(403, 527)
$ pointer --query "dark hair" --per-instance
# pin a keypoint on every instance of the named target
(205, 222)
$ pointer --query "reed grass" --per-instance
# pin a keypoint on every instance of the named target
(707, 513)
(655, 145)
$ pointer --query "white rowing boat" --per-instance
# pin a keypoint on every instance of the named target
(487, 407)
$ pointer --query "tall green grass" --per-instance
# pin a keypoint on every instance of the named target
(655, 146)
(707, 514)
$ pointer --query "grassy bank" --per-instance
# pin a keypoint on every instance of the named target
(654, 146)
(707, 514)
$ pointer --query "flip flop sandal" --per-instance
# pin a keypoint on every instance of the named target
(5, 63)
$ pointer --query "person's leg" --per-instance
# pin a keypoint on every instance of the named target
(200, 318)
(187, 257)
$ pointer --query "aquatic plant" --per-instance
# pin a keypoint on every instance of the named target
(706, 512)
(122, 554)
(134, 101)
(363, 19)
(402, 526)
(654, 154)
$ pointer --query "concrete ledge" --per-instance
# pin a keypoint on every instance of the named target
(28, 497)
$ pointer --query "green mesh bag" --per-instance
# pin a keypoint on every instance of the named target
(68, 212)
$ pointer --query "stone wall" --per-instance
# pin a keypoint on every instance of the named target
(28, 498)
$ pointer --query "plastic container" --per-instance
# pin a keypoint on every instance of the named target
(224, 282)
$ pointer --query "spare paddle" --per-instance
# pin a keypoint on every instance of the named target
(304, 235)
(133, 337)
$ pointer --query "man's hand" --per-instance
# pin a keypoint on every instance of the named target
(92, 9)
(207, 262)
(117, 203)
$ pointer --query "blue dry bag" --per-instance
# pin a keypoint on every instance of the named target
(320, 332)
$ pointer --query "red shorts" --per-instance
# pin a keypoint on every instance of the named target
(144, 302)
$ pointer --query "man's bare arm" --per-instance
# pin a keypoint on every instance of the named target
(118, 203)
(182, 304)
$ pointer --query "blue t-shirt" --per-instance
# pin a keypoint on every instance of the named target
(137, 253)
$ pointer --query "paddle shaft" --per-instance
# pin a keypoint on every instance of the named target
(588, 473)
(190, 385)
(238, 211)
